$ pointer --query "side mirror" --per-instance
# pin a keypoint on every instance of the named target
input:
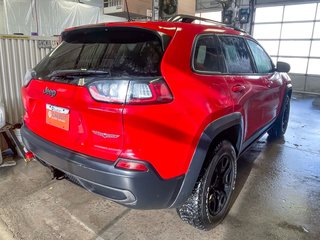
(283, 67)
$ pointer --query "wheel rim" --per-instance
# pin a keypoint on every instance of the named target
(221, 185)
(285, 118)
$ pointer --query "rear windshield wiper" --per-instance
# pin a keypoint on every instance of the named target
(77, 72)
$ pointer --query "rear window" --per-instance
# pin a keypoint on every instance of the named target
(207, 55)
(237, 56)
(118, 51)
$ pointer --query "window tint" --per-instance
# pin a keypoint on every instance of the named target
(138, 59)
(119, 52)
(261, 58)
(207, 56)
(236, 54)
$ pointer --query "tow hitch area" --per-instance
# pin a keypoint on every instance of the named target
(57, 174)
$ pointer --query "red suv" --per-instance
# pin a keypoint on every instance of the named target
(155, 114)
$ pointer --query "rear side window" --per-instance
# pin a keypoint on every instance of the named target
(261, 58)
(237, 57)
(120, 52)
(207, 55)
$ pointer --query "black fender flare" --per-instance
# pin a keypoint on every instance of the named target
(208, 135)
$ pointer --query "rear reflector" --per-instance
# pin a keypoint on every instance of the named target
(28, 156)
(131, 165)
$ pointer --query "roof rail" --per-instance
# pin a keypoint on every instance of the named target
(190, 19)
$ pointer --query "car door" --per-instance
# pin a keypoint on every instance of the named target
(270, 78)
(247, 89)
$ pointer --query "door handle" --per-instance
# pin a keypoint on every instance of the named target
(238, 88)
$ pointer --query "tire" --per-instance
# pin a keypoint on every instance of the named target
(281, 124)
(210, 200)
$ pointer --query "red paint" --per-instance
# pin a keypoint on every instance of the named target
(164, 135)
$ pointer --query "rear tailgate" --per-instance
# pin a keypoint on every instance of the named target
(59, 106)
(90, 127)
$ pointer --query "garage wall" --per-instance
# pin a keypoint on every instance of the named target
(2, 21)
(49, 17)
(291, 33)
(17, 55)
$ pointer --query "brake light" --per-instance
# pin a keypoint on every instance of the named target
(113, 91)
(131, 92)
(131, 165)
(155, 91)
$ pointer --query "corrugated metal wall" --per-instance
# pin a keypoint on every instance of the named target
(17, 55)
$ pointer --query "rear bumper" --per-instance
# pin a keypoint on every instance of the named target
(141, 190)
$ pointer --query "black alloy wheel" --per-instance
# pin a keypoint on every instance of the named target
(221, 185)
(210, 201)
(285, 118)
(280, 126)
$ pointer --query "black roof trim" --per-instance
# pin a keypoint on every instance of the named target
(190, 19)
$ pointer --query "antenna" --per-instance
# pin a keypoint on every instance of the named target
(129, 18)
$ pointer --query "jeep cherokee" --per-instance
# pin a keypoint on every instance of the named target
(155, 114)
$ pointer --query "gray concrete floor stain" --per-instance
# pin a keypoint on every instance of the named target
(277, 197)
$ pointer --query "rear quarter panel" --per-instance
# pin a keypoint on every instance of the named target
(167, 135)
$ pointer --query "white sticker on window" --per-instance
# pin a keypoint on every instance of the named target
(201, 54)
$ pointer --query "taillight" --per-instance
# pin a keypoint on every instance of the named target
(113, 91)
(131, 165)
(154, 91)
(131, 92)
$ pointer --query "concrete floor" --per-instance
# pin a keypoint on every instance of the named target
(277, 197)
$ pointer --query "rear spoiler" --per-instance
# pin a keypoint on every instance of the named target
(97, 33)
